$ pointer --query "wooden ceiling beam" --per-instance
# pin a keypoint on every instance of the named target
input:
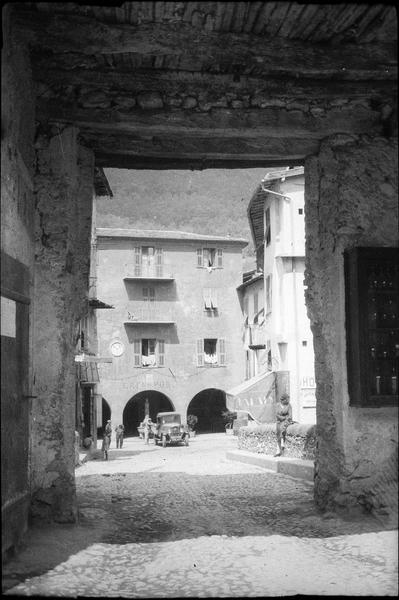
(311, 123)
(276, 55)
(121, 83)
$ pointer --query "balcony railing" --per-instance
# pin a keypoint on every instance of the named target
(145, 272)
(149, 312)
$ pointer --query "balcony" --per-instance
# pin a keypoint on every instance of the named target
(148, 274)
(150, 313)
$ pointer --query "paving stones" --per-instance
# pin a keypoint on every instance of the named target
(172, 523)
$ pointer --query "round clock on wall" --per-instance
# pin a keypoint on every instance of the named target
(117, 348)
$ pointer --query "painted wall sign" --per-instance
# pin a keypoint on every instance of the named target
(8, 317)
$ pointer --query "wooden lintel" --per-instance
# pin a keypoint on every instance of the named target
(196, 46)
(120, 84)
(267, 122)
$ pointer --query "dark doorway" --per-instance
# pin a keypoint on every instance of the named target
(105, 415)
(135, 409)
(208, 406)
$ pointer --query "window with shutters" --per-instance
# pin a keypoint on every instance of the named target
(148, 261)
(211, 352)
(148, 294)
(210, 258)
(210, 297)
(149, 352)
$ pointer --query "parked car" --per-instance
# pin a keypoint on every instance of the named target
(169, 429)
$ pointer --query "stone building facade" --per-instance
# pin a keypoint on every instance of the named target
(174, 333)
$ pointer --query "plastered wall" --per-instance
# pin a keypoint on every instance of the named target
(351, 200)
(64, 192)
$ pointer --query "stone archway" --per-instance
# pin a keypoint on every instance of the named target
(135, 409)
(208, 406)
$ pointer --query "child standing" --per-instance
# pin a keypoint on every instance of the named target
(284, 418)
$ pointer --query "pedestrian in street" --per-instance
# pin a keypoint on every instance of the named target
(284, 418)
(147, 424)
(119, 435)
(108, 431)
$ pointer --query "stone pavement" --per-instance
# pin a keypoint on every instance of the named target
(186, 522)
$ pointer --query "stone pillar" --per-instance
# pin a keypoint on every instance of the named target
(64, 193)
(351, 200)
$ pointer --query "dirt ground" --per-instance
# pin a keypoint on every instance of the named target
(186, 522)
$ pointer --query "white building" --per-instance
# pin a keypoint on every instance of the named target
(276, 216)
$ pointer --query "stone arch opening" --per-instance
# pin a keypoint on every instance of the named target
(103, 418)
(208, 406)
(149, 400)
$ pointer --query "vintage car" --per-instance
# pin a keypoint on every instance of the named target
(169, 429)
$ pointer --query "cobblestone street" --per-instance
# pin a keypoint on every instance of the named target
(186, 522)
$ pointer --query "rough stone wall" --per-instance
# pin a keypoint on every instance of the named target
(17, 257)
(351, 200)
(262, 439)
(64, 192)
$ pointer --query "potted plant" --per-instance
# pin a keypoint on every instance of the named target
(228, 417)
(192, 420)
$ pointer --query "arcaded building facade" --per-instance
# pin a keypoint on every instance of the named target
(174, 334)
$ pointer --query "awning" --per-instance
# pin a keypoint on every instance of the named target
(88, 373)
(256, 396)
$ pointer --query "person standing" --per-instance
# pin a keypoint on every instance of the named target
(119, 435)
(284, 418)
(108, 431)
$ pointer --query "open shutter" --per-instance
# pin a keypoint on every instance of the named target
(151, 294)
(220, 257)
(200, 352)
(207, 298)
(161, 353)
(159, 262)
(199, 258)
(222, 351)
(214, 299)
(145, 294)
(137, 261)
(137, 353)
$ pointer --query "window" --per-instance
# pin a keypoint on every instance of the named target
(300, 211)
(211, 352)
(210, 258)
(269, 355)
(148, 294)
(304, 343)
(149, 352)
(267, 227)
(148, 261)
(210, 299)
(372, 325)
(256, 307)
(268, 294)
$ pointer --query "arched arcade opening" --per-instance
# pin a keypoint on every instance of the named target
(208, 406)
(103, 417)
(135, 409)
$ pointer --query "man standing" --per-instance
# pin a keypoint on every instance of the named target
(108, 431)
(119, 435)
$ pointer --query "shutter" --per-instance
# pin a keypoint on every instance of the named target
(255, 319)
(200, 352)
(137, 352)
(151, 294)
(222, 351)
(199, 258)
(220, 257)
(207, 298)
(159, 263)
(214, 299)
(137, 261)
(145, 294)
(161, 353)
